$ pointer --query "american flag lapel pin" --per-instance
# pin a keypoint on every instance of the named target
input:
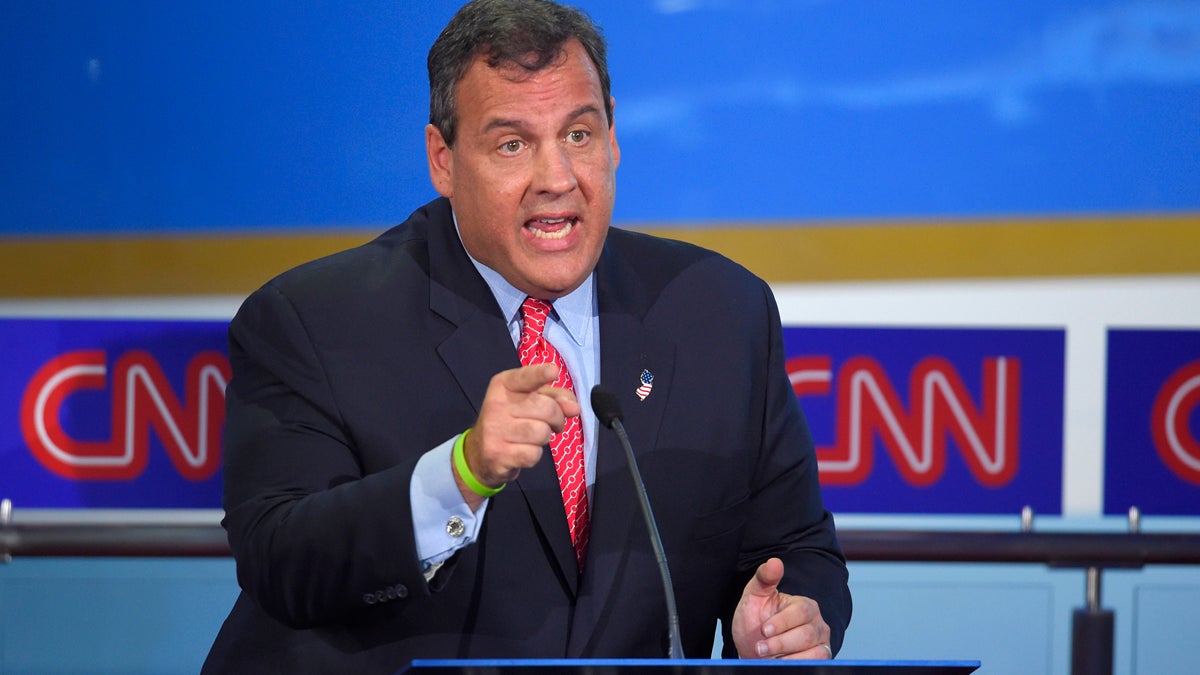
(647, 383)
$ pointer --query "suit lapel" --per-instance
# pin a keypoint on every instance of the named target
(627, 347)
(477, 347)
(478, 344)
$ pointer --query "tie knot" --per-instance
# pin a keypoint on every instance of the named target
(535, 311)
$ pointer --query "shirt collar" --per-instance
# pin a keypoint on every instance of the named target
(574, 310)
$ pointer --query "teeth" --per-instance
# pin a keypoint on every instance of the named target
(568, 225)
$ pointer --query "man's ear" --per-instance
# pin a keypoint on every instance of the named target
(612, 135)
(441, 160)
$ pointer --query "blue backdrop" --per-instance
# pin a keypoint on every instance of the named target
(151, 116)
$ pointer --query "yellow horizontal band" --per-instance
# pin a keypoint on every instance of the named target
(1143, 245)
(166, 265)
(778, 252)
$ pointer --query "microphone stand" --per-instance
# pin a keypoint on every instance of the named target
(614, 422)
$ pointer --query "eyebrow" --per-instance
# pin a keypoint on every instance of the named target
(502, 123)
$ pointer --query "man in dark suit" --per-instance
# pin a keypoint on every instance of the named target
(391, 488)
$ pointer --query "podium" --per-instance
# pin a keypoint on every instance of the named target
(683, 667)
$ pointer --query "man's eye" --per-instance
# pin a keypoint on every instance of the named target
(577, 136)
(511, 147)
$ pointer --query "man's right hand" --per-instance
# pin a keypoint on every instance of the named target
(520, 412)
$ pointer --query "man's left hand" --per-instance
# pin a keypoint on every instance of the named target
(768, 624)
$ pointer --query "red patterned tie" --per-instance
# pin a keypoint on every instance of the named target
(567, 446)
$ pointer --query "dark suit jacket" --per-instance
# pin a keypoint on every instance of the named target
(348, 368)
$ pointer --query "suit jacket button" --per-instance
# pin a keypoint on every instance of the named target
(455, 527)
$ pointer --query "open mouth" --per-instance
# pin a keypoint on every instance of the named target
(551, 228)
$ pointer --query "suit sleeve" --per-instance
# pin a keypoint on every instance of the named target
(315, 539)
(788, 517)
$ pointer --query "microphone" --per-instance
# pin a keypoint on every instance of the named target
(608, 411)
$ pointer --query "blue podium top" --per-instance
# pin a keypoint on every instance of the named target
(682, 667)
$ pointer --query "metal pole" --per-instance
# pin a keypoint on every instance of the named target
(5, 518)
(1092, 633)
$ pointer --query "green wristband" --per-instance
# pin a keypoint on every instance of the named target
(464, 472)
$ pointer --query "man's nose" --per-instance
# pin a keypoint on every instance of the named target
(553, 171)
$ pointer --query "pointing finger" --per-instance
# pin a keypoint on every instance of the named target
(528, 379)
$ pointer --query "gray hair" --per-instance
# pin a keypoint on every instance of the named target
(528, 33)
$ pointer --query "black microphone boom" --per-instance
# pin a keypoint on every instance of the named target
(608, 411)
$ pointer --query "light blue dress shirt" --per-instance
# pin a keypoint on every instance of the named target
(442, 521)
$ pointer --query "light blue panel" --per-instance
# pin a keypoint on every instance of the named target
(111, 616)
(1012, 618)
(160, 616)
(1017, 618)
(1165, 623)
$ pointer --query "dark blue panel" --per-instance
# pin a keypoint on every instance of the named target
(46, 383)
(149, 116)
(915, 392)
(1153, 380)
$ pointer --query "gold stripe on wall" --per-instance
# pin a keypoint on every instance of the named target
(1144, 245)
(783, 252)
(167, 265)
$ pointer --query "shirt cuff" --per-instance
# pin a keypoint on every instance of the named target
(442, 521)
